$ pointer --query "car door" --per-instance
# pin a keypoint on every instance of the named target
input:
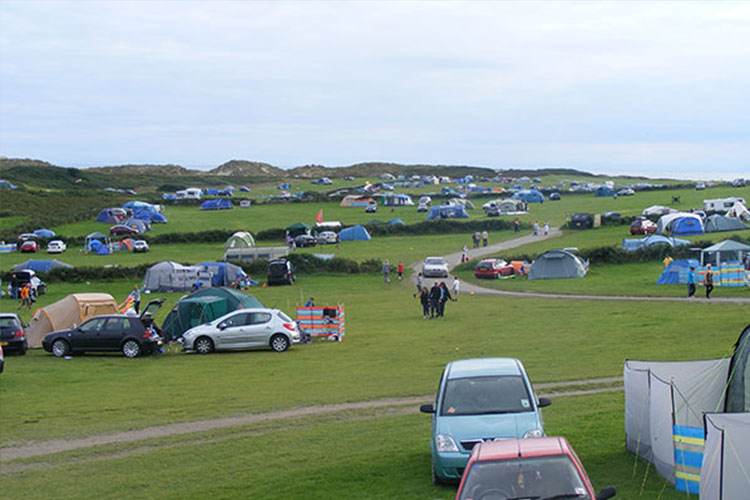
(259, 328)
(113, 332)
(232, 332)
(87, 337)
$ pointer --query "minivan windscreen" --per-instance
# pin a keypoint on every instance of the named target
(485, 395)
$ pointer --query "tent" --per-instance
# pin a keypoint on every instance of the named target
(397, 200)
(217, 204)
(374, 222)
(529, 196)
(657, 210)
(396, 222)
(140, 205)
(99, 238)
(7, 185)
(631, 245)
(686, 226)
(224, 273)
(240, 239)
(44, 233)
(554, 264)
(167, 276)
(73, 309)
(676, 272)
(512, 206)
(725, 251)
(447, 212)
(149, 216)
(108, 216)
(297, 229)
(41, 266)
(604, 191)
(354, 233)
(725, 456)
(139, 225)
(203, 306)
(353, 200)
(717, 223)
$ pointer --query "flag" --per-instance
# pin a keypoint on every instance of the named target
(319, 218)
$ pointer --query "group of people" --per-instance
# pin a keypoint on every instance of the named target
(708, 281)
(387, 271)
(536, 228)
(482, 237)
(26, 295)
(433, 300)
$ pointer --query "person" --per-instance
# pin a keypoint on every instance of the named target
(485, 238)
(464, 254)
(691, 282)
(667, 260)
(476, 239)
(516, 226)
(386, 271)
(136, 299)
(708, 281)
(455, 287)
(25, 296)
(310, 303)
(434, 300)
(338, 241)
(445, 296)
(419, 284)
(400, 270)
(424, 298)
(546, 228)
(536, 228)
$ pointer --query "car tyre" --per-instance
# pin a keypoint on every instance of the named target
(24, 347)
(60, 348)
(279, 343)
(203, 345)
(131, 349)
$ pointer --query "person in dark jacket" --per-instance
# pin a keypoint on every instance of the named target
(424, 298)
(434, 300)
(445, 296)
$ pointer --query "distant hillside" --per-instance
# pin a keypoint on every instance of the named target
(518, 172)
(373, 169)
(150, 170)
(243, 168)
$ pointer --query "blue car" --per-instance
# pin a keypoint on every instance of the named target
(480, 400)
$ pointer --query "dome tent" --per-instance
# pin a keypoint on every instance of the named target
(73, 309)
(240, 239)
(216, 204)
(354, 233)
(717, 223)
(554, 264)
(41, 266)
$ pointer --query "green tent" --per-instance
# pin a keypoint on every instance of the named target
(298, 228)
(240, 239)
(202, 307)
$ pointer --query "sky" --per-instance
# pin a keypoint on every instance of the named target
(659, 89)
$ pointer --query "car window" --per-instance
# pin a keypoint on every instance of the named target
(284, 317)
(118, 324)
(9, 323)
(434, 262)
(258, 318)
(486, 395)
(236, 320)
(93, 326)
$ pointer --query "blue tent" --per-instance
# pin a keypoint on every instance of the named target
(108, 216)
(604, 191)
(168, 196)
(149, 216)
(676, 272)
(95, 245)
(631, 245)
(44, 233)
(354, 233)
(139, 225)
(396, 222)
(227, 191)
(103, 250)
(212, 191)
(686, 226)
(529, 196)
(224, 273)
(244, 189)
(139, 205)
(447, 212)
(41, 266)
(218, 204)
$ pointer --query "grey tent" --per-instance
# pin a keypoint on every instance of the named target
(725, 457)
(167, 276)
(717, 223)
(557, 264)
(725, 251)
(240, 239)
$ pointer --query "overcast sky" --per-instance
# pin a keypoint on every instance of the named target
(641, 88)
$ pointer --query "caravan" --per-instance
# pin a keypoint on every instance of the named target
(721, 204)
(189, 194)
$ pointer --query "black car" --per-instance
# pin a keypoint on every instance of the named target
(582, 221)
(305, 240)
(19, 278)
(554, 196)
(12, 336)
(132, 335)
(280, 272)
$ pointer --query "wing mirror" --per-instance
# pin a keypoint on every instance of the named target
(545, 402)
(427, 408)
(607, 492)
(221, 326)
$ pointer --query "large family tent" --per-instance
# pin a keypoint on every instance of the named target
(139, 225)
(354, 233)
(41, 266)
(95, 242)
(111, 216)
(633, 244)
(203, 306)
(674, 418)
(604, 191)
(725, 251)
(168, 276)
(512, 207)
(240, 239)
(676, 272)
(150, 216)
(224, 273)
(680, 224)
(447, 212)
(397, 200)
(353, 200)
(718, 223)
(554, 264)
(73, 309)
(216, 204)
(297, 229)
(134, 206)
(529, 196)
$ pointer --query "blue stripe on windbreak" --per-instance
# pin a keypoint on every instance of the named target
(687, 486)
(684, 430)
(688, 458)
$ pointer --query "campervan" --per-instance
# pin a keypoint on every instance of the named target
(721, 204)
(189, 194)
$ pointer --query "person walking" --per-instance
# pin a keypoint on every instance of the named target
(400, 270)
(455, 287)
(667, 260)
(485, 238)
(464, 254)
(445, 296)
(708, 281)
(546, 228)
(691, 282)
(136, 298)
(434, 300)
(386, 271)
(476, 239)
(25, 296)
(516, 226)
(424, 298)
(536, 228)
(419, 284)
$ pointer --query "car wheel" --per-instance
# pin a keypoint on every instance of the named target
(437, 480)
(60, 348)
(22, 352)
(279, 343)
(131, 349)
(203, 345)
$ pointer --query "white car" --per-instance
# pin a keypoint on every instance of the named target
(423, 207)
(434, 267)
(140, 246)
(243, 329)
(625, 192)
(326, 237)
(56, 246)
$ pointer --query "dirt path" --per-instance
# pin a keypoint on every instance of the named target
(38, 449)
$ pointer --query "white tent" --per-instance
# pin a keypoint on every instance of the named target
(726, 457)
(168, 276)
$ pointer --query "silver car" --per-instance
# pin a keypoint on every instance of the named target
(435, 267)
(243, 329)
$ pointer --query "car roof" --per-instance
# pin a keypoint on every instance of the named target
(483, 367)
(9, 315)
(522, 448)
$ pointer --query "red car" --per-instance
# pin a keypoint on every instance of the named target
(492, 268)
(29, 246)
(122, 229)
(545, 467)
(642, 226)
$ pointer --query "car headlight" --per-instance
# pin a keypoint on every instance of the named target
(445, 443)
(534, 433)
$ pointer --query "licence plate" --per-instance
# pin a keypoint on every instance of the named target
(3, 343)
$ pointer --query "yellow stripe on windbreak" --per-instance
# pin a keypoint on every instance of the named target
(689, 440)
(687, 476)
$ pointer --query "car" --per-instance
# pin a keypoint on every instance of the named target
(435, 267)
(626, 192)
(554, 197)
(243, 329)
(423, 207)
(280, 272)
(56, 246)
(739, 182)
(700, 186)
(140, 246)
(642, 225)
(26, 236)
(543, 468)
(327, 237)
(12, 335)
(122, 230)
(582, 221)
(480, 400)
(29, 246)
(132, 335)
(371, 207)
(305, 240)
(492, 268)
(22, 276)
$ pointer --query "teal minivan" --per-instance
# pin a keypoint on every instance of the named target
(480, 400)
